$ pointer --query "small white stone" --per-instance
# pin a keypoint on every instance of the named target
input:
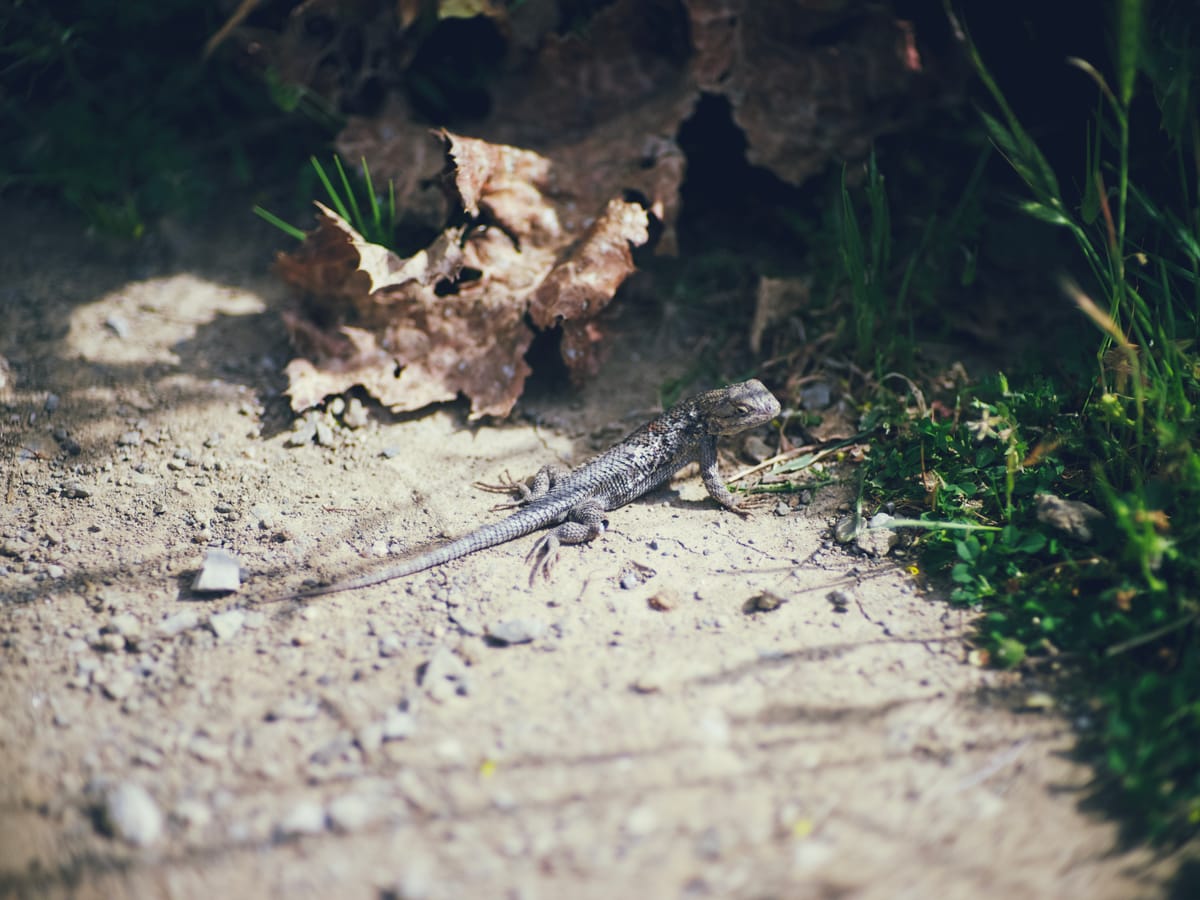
(307, 817)
(226, 624)
(132, 814)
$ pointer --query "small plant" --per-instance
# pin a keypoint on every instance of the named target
(377, 225)
(1124, 602)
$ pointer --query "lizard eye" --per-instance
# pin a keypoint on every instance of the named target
(741, 408)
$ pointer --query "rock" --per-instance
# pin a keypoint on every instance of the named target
(295, 709)
(205, 749)
(352, 812)
(192, 814)
(178, 623)
(131, 814)
(127, 625)
(398, 725)
(764, 602)
(444, 675)
(816, 396)
(74, 490)
(119, 685)
(665, 600)
(129, 439)
(304, 431)
(226, 624)
(390, 645)
(220, 573)
(877, 539)
(840, 599)
(516, 631)
(1073, 518)
(847, 528)
(757, 449)
(307, 817)
(325, 434)
(356, 414)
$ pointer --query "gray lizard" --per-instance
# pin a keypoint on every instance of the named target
(573, 503)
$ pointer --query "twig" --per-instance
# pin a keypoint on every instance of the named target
(1154, 635)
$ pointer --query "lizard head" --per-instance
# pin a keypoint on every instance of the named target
(738, 407)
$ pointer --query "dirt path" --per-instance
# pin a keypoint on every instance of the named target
(374, 742)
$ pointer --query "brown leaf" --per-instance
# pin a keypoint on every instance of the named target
(799, 99)
(412, 332)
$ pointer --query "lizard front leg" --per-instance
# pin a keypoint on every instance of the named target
(529, 490)
(711, 475)
(585, 522)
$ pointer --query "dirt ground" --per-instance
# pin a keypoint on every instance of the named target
(157, 742)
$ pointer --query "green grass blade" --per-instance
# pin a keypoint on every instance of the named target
(334, 198)
(285, 227)
(357, 221)
(1129, 28)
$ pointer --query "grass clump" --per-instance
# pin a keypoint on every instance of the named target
(1121, 597)
(368, 213)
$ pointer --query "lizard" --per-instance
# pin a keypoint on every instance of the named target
(572, 503)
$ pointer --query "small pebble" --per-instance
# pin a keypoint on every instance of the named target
(391, 645)
(840, 599)
(295, 709)
(131, 814)
(307, 817)
(398, 725)
(117, 325)
(302, 435)
(226, 624)
(664, 601)
(129, 439)
(816, 396)
(192, 814)
(325, 434)
(764, 602)
(516, 631)
(51, 403)
(220, 572)
(356, 414)
(205, 749)
(119, 685)
(352, 812)
(445, 674)
(178, 623)
(75, 490)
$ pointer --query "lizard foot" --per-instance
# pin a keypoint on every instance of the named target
(508, 485)
(543, 556)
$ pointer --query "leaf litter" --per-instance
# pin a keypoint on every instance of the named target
(575, 164)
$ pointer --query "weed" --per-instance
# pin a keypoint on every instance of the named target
(377, 225)
(1122, 599)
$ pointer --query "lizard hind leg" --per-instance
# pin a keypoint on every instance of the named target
(584, 523)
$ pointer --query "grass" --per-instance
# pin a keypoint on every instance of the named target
(111, 107)
(1122, 606)
(377, 224)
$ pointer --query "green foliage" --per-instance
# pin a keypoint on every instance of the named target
(1125, 603)
(377, 225)
(110, 105)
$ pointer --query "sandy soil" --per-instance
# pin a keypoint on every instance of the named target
(157, 742)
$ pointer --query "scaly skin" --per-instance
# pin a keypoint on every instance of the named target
(572, 504)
